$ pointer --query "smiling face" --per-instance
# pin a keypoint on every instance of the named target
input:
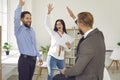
(26, 19)
(60, 26)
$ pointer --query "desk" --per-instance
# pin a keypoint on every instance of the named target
(115, 56)
(9, 62)
(40, 68)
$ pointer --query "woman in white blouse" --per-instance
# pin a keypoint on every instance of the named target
(55, 56)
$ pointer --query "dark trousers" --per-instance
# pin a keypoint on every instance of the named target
(26, 67)
(62, 77)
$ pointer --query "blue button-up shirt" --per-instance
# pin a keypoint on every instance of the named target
(25, 36)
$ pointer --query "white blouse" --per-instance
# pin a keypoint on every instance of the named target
(55, 40)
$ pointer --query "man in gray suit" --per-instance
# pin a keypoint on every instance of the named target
(90, 54)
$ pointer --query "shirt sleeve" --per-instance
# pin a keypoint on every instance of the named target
(17, 18)
(48, 25)
(37, 50)
(38, 55)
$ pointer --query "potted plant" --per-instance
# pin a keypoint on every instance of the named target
(118, 43)
(7, 47)
(44, 51)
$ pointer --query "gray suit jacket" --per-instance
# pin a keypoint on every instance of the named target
(90, 58)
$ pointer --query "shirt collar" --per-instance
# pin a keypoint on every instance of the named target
(27, 28)
(85, 35)
(61, 33)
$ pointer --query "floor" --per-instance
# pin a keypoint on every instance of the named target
(114, 76)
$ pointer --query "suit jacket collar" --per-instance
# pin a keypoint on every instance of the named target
(85, 35)
(92, 32)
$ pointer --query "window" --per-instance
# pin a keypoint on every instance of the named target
(3, 19)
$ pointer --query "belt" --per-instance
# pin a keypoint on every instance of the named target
(27, 56)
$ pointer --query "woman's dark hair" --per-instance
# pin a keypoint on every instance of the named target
(24, 13)
(62, 22)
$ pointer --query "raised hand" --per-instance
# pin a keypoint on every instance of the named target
(50, 8)
(21, 2)
(70, 13)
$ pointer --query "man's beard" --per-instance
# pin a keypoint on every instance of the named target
(26, 25)
(81, 32)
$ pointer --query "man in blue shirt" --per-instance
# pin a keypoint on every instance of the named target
(26, 41)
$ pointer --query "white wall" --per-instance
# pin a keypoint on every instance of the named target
(105, 12)
(12, 5)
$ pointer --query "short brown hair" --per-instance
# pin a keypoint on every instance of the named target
(85, 18)
(24, 13)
